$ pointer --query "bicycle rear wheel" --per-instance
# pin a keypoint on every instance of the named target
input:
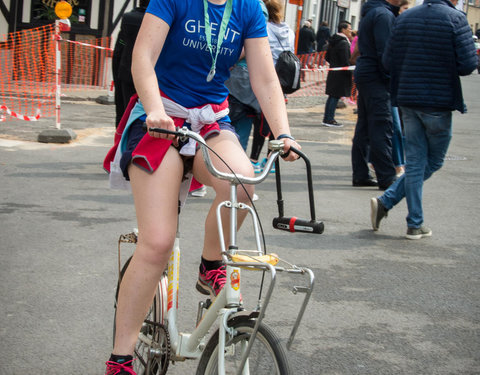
(152, 350)
(267, 356)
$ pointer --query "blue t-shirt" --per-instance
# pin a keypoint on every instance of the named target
(185, 60)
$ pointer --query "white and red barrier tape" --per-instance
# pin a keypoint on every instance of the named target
(325, 69)
(58, 37)
(4, 108)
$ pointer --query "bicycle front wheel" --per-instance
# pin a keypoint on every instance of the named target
(267, 356)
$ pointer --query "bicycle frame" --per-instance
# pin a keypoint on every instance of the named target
(228, 302)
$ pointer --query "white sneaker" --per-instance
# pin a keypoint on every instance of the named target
(332, 124)
(200, 192)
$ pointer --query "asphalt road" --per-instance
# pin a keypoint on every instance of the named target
(381, 305)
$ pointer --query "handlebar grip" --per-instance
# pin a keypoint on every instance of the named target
(160, 130)
(294, 224)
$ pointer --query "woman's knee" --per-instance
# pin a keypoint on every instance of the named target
(242, 195)
(155, 249)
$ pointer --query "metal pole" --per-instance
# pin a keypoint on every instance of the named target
(299, 23)
(58, 78)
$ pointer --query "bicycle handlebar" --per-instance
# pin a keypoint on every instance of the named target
(183, 133)
(291, 224)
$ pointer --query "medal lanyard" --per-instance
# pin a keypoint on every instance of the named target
(208, 34)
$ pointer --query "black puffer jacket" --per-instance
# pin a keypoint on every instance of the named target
(431, 46)
(339, 83)
(374, 30)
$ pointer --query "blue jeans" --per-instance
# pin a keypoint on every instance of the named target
(427, 135)
(330, 108)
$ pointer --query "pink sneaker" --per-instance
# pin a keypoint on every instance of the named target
(211, 282)
(114, 368)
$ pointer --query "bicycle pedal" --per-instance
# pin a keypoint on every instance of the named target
(207, 304)
(201, 306)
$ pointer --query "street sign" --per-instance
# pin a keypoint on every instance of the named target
(63, 10)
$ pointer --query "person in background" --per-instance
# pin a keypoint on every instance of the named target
(353, 42)
(242, 103)
(305, 43)
(404, 5)
(122, 58)
(281, 38)
(477, 47)
(339, 83)
(398, 152)
(354, 53)
(174, 80)
(306, 39)
(372, 140)
(433, 74)
(323, 34)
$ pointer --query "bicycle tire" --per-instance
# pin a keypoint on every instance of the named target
(267, 356)
(153, 328)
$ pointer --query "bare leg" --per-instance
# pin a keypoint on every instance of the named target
(228, 147)
(156, 203)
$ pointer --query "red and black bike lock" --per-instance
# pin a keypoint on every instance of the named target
(294, 224)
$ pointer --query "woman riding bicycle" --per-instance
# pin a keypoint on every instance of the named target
(181, 59)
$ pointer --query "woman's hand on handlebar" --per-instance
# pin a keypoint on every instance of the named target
(159, 119)
(290, 156)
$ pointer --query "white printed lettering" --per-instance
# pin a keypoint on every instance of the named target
(195, 27)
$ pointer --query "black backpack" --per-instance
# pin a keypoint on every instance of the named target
(288, 70)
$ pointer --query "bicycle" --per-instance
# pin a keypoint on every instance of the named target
(242, 344)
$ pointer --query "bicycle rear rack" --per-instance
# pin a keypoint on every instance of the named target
(289, 268)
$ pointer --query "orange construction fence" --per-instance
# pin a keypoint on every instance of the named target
(86, 63)
(28, 70)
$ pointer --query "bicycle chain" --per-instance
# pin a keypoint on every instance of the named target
(165, 357)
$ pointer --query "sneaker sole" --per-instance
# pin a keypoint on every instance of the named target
(200, 195)
(205, 290)
(373, 213)
(331, 125)
(418, 236)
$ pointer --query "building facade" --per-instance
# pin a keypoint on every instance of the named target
(331, 11)
(473, 14)
(96, 18)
